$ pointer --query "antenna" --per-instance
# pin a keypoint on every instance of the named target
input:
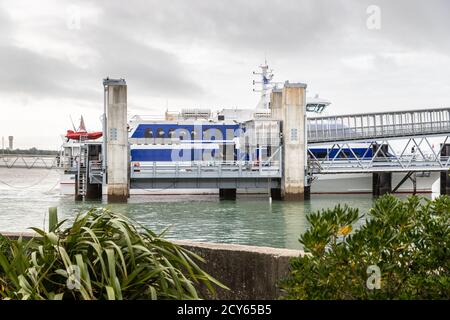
(73, 125)
(265, 82)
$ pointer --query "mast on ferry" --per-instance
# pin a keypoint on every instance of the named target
(266, 85)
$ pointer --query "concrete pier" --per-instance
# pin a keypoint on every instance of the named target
(445, 175)
(293, 113)
(117, 152)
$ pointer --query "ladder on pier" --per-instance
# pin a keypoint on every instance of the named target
(82, 172)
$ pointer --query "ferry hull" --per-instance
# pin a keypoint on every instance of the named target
(361, 183)
(323, 184)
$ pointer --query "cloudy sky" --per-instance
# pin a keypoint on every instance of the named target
(201, 53)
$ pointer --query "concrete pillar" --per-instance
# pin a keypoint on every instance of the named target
(227, 194)
(381, 181)
(117, 140)
(276, 100)
(445, 175)
(293, 106)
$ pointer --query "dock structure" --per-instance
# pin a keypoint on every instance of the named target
(279, 150)
(425, 132)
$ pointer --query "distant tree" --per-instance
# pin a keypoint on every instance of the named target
(29, 151)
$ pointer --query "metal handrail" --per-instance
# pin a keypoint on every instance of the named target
(378, 125)
(216, 169)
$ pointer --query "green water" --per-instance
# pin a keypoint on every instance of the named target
(25, 196)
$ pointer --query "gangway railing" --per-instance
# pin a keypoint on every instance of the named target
(416, 155)
(382, 165)
(206, 169)
(95, 171)
(380, 125)
(30, 161)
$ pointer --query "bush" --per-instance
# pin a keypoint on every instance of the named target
(101, 256)
(409, 241)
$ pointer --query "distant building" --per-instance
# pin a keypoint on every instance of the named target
(11, 142)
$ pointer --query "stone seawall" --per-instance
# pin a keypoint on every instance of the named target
(250, 272)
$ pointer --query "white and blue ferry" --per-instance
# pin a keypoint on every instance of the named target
(189, 135)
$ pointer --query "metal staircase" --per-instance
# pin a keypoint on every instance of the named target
(82, 180)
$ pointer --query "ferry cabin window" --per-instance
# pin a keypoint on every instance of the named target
(183, 134)
(171, 132)
(148, 133)
(160, 133)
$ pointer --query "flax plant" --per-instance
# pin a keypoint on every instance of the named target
(102, 255)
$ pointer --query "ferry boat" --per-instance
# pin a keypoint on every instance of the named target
(191, 133)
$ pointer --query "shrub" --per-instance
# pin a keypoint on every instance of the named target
(101, 256)
(409, 241)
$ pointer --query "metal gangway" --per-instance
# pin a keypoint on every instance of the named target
(30, 161)
(379, 125)
(399, 141)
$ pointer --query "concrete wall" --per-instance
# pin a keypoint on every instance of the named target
(276, 98)
(117, 143)
(293, 117)
(250, 272)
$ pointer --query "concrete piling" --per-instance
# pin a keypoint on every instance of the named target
(117, 140)
(293, 116)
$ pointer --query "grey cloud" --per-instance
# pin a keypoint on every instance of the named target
(124, 33)
(278, 25)
(286, 28)
(417, 24)
(152, 70)
(27, 72)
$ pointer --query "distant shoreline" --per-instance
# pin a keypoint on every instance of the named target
(33, 151)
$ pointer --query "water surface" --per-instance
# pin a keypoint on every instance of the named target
(25, 196)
